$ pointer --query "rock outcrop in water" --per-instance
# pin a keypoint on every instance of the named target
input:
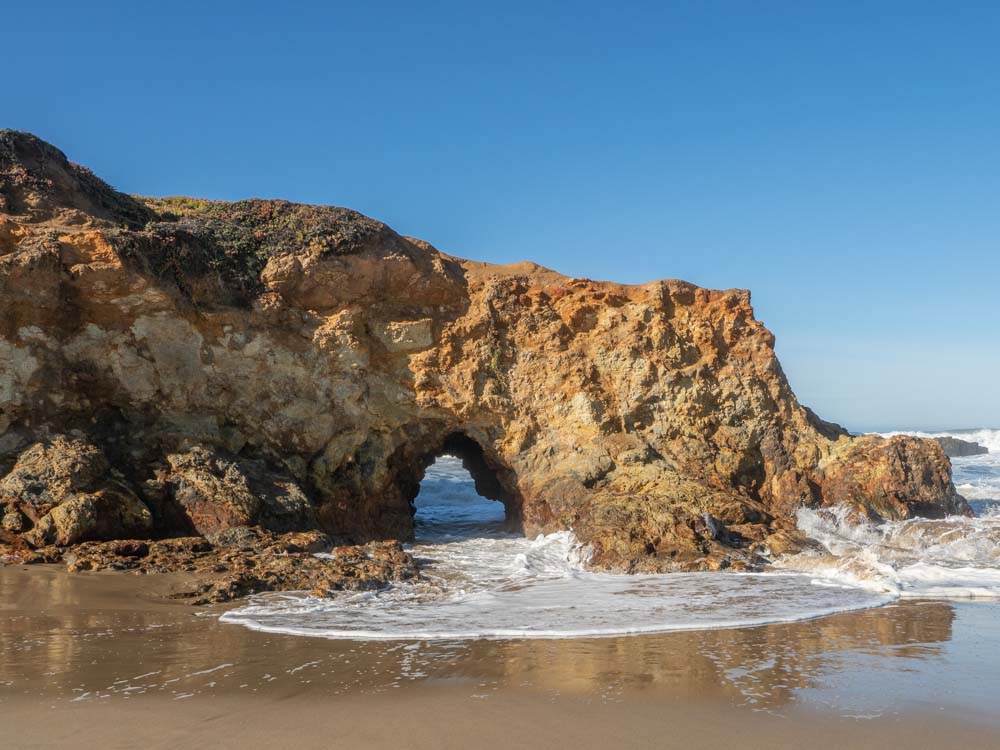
(955, 448)
(179, 367)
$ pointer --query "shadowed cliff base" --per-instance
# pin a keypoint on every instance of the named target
(174, 367)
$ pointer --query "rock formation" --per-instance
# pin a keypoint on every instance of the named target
(955, 448)
(177, 367)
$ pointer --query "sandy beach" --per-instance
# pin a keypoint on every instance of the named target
(102, 660)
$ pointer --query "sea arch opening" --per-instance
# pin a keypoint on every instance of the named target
(461, 494)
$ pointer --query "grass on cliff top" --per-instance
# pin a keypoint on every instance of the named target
(215, 251)
(176, 206)
(275, 226)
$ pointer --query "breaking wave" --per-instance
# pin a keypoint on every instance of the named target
(988, 438)
(950, 558)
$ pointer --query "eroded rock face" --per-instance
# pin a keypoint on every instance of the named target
(297, 367)
(210, 493)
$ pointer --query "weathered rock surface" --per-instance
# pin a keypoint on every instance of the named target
(239, 562)
(209, 493)
(67, 493)
(955, 448)
(296, 368)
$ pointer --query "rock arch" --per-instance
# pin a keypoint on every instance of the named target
(492, 480)
(341, 357)
(369, 494)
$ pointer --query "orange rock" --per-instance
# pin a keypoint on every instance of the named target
(339, 358)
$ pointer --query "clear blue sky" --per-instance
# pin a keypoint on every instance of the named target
(840, 159)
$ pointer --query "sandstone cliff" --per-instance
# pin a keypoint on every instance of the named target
(181, 367)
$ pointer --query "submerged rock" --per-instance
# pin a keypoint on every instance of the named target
(295, 368)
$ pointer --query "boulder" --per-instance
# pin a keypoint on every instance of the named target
(215, 493)
(50, 472)
(63, 492)
(113, 512)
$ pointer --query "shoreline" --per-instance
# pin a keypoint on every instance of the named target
(95, 659)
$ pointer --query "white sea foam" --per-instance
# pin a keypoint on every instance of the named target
(950, 558)
(988, 438)
(480, 582)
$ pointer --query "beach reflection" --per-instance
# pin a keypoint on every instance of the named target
(764, 667)
(80, 638)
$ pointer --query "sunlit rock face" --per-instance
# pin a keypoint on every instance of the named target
(297, 367)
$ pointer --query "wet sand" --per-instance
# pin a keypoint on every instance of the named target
(100, 660)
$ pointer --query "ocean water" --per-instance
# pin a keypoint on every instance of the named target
(482, 582)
